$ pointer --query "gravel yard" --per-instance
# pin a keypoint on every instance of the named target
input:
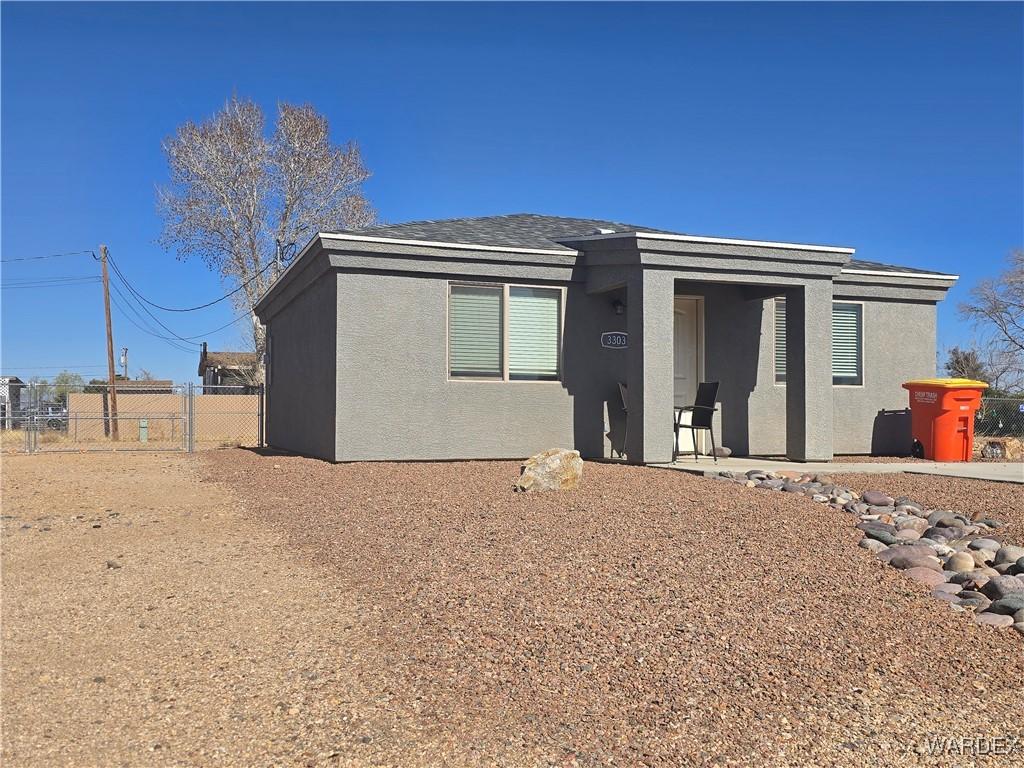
(271, 610)
(1003, 501)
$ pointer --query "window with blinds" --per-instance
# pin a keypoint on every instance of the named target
(847, 337)
(534, 327)
(499, 331)
(847, 342)
(780, 341)
(474, 331)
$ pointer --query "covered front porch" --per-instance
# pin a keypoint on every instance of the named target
(710, 318)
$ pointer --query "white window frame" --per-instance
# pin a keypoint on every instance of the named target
(504, 378)
(863, 347)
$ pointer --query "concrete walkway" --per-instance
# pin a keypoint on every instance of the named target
(1005, 472)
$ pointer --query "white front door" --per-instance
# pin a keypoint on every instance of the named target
(687, 360)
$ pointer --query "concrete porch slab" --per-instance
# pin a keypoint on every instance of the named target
(1005, 472)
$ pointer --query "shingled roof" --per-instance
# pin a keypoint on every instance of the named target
(877, 266)
(532, 230)
(515, 230)
(233, 360)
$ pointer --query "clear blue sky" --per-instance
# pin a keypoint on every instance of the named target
(897, 129)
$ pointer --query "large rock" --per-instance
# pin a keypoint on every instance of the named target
(872, 545)
(1009, 554)
(925, 576)
(883, 536)
(999, 587)
(1000, 448)
(960, 562)
(914, 560)
(877, 499)
(1010, 605)
(990, 544)
(993, 619)
(553, 470)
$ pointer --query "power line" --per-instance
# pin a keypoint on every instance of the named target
(171, 340)
(57, 279)
(53, 367)
(242, 316)
(145, 327)
(267, 266)
(137, 296)
(157, 320)
(49, 256)
(52, 284)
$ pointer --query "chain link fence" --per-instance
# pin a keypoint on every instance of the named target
(129, 416)
(1000, 417)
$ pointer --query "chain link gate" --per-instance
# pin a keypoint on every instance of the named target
(130, 416)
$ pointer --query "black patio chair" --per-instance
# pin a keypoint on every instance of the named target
(623, 394)
(702, 413)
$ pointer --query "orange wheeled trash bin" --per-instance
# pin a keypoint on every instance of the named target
(942, 417)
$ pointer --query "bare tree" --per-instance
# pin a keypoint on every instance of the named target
(235, 192)
(966, 364)
(996, 308)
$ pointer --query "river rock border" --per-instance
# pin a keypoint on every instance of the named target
(961, 560)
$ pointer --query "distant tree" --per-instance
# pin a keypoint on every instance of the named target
(234, 192)
(64, 383)
(966, 364)
(145, 375)
(41, 389)
(100, 386)
(996, 308)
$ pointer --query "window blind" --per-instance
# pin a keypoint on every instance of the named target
(847, 342)
(534, 320)
(474, 331)
(847, 330)
(780, 340)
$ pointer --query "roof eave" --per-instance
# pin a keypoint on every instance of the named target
(909, 275)
(640, 235)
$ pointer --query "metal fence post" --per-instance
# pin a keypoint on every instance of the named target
(259, 414)
(27, 422)
(191, 418)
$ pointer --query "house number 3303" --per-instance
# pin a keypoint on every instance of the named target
(614, 340)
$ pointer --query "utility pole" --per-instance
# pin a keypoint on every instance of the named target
(110, 345)
(124, 361)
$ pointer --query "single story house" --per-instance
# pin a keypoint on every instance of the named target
(228, 370)
(501, 336)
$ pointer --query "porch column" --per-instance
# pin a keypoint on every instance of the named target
(649, 322)
(809, 427)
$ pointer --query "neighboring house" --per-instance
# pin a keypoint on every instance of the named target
(500, 336)
(10, 401)
(227, 369)
(144, 386)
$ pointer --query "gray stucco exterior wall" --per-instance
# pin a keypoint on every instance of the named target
(303, 338)
(395, 400)
(899, 344)
(359, 368)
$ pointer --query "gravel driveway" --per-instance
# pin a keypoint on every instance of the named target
(274, 610)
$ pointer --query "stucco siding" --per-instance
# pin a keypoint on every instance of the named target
(394, 398)
(301, 385)
(899, 344)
